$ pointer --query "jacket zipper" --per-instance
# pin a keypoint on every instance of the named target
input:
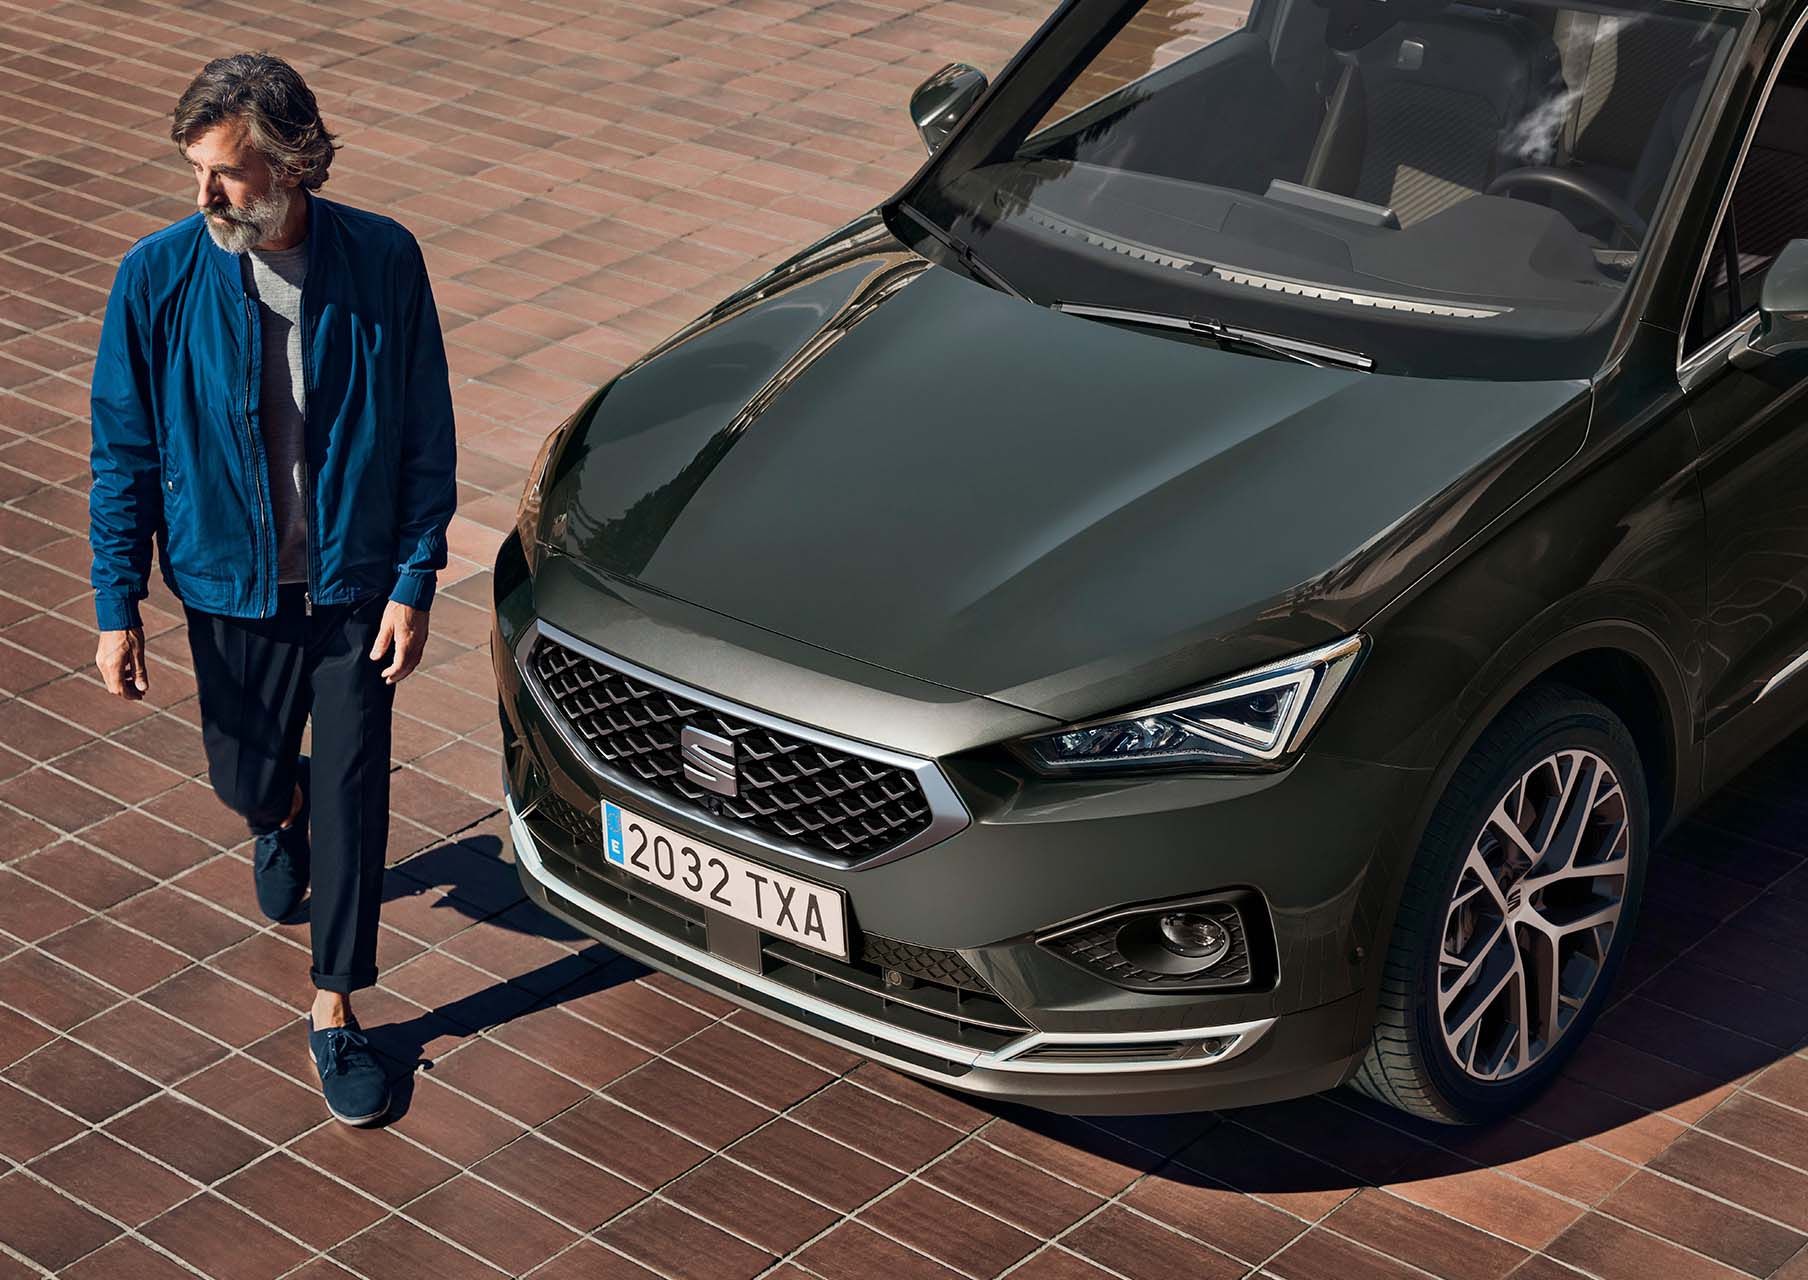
(307, 463)
(256, 445)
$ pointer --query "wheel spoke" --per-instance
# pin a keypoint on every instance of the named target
(1469, 969)
(1565, 838)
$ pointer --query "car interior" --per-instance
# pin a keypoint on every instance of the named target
(1511, 154)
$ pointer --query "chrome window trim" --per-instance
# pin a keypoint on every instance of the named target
(1242, 1034)
(1709, 357)
(947, 813)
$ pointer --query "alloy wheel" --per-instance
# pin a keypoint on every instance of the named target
(1530, 922)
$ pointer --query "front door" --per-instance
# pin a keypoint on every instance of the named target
(1753, 429)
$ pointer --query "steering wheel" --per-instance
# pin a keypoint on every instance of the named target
(1588, 189)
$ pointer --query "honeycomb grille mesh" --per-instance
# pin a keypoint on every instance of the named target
(826, 800)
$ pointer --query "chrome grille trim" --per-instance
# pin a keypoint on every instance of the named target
(947, 814)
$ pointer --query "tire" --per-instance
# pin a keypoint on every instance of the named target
(1469, 965)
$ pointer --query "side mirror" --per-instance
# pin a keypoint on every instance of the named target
(940, 101)
(1782, 310)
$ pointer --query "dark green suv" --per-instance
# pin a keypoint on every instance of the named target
(1212, 591)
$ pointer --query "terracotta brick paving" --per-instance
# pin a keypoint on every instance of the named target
(585, 179)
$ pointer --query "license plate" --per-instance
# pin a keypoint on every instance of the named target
(811, 915)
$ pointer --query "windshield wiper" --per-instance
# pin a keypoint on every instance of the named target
(1274, 344)
(962, 251)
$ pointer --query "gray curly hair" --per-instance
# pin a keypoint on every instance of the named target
(276, 105)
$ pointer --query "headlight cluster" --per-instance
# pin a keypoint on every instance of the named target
(527, 511)
(1257, 719)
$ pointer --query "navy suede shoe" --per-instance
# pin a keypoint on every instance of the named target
(354, 1082)
(281, 860)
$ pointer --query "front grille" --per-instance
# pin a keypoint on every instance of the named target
(820, 798)
(949, 1001)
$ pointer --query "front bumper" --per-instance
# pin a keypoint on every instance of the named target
(1032, 856)
(1270, 1058)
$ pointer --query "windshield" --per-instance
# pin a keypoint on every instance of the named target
(1448, 188)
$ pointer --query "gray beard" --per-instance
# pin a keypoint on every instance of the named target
(241, 230)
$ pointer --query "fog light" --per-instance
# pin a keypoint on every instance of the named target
(1197, 937)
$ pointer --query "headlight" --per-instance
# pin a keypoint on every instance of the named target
(1257, 719)
(527, 511)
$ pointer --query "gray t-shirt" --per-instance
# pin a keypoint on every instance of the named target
(275, 280)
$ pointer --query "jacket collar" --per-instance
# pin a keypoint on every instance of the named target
(323, 235)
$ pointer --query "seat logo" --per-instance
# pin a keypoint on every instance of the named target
(709, 760)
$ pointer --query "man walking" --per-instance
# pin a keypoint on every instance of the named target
(271, 409)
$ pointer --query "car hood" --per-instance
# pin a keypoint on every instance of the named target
(885, 459)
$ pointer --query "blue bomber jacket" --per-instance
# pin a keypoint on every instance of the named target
(178, 455)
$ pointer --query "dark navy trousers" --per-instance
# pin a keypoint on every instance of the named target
(259, 680)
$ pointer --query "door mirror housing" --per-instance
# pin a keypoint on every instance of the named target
(943, 99)
(1782, 325)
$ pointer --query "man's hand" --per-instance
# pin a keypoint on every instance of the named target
(406, 630)
(120, 657)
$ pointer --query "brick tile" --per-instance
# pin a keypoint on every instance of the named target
(185, 1137)
(45, 1226)
(451, 1125)
(508, 1082)
(1208, 1211)
(375, 1161)
(156, 848)
(1319, 1255)
(19, 1035)
(819, 1167)
(1765, 1127)
(673, 1243)
(218, 1006)
(271, 965)
(567, 1187)
(1072, 1150)
(302, 1201)
(116, 956)
(30, 911)
(569, 1045)
(1785, 1082)
(399, 1250)
(1429, 1241)
(1054, 1263)
(91, 878)
(949, 1231)
(79, 1080)
(250, 1094)
(644, 1153)
(149, 1042)
(1143, 1250)
(126, 1259)
(852, 1252)
(635, 1012)
(491, 1224)
(208, 1233)
(55, 800)
(691, 1105)
(179, 921)
(882, 1129)
(224, 881)
(52, 993)
(113, 1178)
(1486, 1198)
(953, 1110)
(589, 1261)
(1612, 1251)
(750, 1205)
(461, 994)
(29, 1127)
(1709, 1226)
(1740, 1176)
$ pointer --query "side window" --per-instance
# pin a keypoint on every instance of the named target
(1769, 207)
